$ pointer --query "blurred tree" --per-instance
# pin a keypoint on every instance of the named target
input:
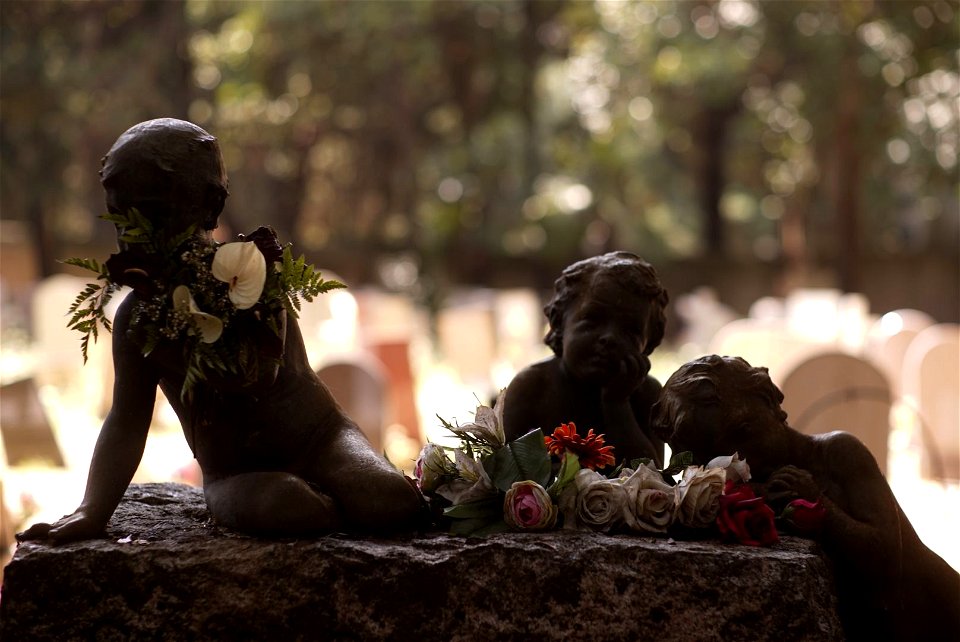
(74, 77)
(420, 143)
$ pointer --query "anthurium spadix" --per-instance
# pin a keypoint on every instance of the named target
(210, 326)
(241, 265)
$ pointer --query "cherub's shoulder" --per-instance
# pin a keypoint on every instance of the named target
(841, 449)
(538, 373)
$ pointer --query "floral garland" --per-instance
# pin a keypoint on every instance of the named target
(493, 486)
(221, 301)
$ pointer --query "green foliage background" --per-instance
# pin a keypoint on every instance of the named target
(493, 143)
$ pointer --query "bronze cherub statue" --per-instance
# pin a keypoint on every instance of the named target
(606, 317)
(890, 585)
(207, 324)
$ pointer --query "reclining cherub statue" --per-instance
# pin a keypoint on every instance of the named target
(890, 585)
(212, 326)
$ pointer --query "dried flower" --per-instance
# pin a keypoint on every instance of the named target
(433, 468)
(589, 448)
(487, 425)
(243, 267)
(473, 482)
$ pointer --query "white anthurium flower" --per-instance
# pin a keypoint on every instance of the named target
(210, 326)
(242, 265)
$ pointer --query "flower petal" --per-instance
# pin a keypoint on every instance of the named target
(210, 326)
(242, 265)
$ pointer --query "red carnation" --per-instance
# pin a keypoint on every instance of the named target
(589, 448)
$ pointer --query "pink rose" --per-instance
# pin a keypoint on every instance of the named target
(527, 506)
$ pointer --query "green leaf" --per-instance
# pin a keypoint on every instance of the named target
(480, 509)
(569, 467)
(678, 462)
(523, 459)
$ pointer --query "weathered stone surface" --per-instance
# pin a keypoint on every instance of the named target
(166, 572)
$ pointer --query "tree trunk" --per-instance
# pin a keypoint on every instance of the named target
(847, 182)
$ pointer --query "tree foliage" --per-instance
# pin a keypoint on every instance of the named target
(414, 143)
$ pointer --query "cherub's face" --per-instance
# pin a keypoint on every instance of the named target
(605, 325)
(713, 413)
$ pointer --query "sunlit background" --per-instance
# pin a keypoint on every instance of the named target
(790, 168)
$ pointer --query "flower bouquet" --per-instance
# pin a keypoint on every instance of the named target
(543, 482)
(222, 302)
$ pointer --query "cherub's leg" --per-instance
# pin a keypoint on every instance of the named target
(372, 494)
(270, 503)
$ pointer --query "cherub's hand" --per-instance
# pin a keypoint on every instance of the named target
(789, 483)
(70, 528)
(626, 378)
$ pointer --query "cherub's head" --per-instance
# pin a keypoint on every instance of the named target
(716, 406)
(626, 283)
(168, 169)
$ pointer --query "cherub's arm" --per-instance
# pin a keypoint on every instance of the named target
(619, 415)
(862, 521)
(119, 446)
(525, 397)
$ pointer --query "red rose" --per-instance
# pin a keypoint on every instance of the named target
(745, 518)
(805, 517)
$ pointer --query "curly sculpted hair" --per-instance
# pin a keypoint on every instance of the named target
(628, 270)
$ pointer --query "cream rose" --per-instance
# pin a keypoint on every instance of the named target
(651, 503)
(699, 496)
(593, 502)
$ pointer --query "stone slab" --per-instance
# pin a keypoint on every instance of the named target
(167, 572)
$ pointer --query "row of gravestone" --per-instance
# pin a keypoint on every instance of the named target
(903, 357)
(837, 369)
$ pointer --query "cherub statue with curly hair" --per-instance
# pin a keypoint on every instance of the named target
(890, 585)
(606, 317)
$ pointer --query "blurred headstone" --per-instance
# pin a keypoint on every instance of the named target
(702, 314)
(837, 391)
(388, 325)
(888, 339)
(931, 383)
(27, 434)
(359, 386)
(466, 335)
(762, 342)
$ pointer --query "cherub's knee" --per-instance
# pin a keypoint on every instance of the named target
(270, 502)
